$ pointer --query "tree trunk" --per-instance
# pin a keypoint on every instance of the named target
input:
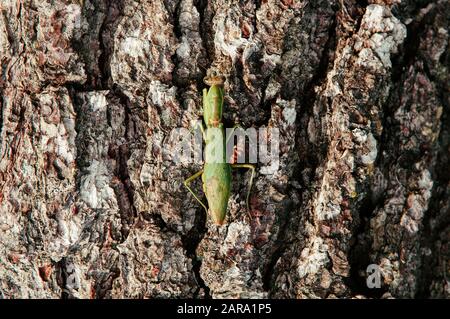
(92, 204)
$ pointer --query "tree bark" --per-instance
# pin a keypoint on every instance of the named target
(92, 204)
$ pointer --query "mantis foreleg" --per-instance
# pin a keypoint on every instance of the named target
(199, 124)
(188, 181)
(252, 168)
(232, 132)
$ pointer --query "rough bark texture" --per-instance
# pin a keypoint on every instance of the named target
(92, 206)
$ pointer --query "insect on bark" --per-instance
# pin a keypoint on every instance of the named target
(216, 172)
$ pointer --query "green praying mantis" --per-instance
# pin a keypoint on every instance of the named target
(216, 172)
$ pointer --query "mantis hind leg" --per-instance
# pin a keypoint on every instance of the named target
(252, 168)
(188, 181)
